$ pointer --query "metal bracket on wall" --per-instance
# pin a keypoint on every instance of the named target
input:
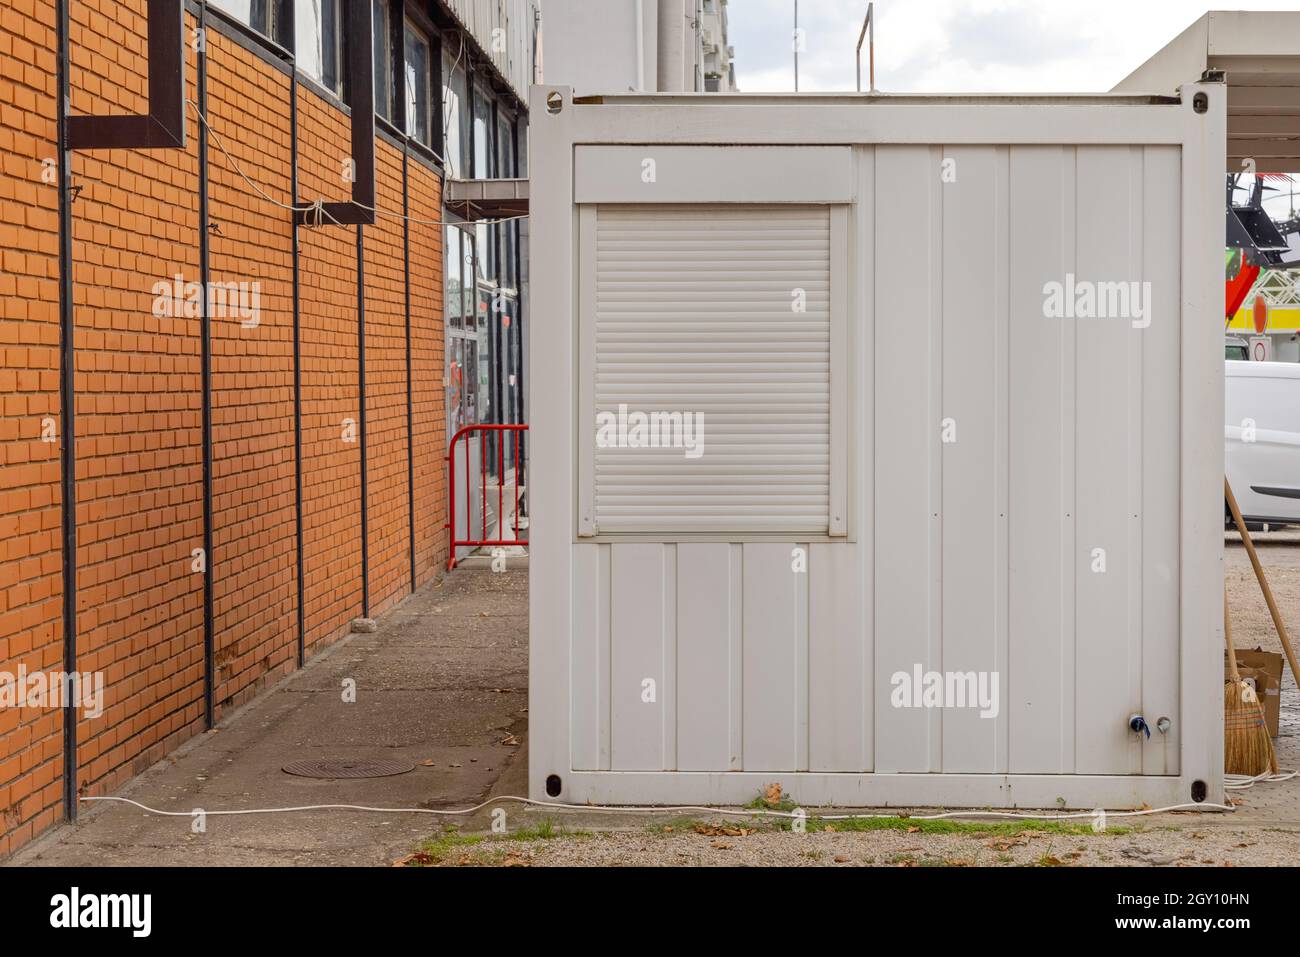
(361, 103)
(163, 127)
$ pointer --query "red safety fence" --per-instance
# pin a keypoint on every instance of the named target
(486, 479)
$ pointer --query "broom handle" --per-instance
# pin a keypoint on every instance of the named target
(1227, 635)
(1263, 581)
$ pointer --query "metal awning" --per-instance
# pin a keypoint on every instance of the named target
(1259, 54)
(477, 199)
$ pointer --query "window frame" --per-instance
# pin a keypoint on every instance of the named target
(705, 176)
(411, 27)
(337, 84)
(393, 108)
(270, 20)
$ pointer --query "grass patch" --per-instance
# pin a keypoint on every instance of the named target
(452, 845)
(948, 826)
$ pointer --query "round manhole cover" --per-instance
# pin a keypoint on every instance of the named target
(348, 769)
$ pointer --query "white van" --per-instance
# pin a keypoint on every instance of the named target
(1262, 406)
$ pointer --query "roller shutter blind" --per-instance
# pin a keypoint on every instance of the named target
(723, 313)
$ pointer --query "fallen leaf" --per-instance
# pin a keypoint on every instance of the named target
(840, 859)
(720, 845)
(427, 763)
(772, 793)
(1047, 860)
(913, 829)
(512, 741)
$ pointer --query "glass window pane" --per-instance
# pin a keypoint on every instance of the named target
(239, 9)
(467, 279)
(456, 118)
(453, 279)
(484, 139)
(383, 61)
(316, 43)
(417, 75)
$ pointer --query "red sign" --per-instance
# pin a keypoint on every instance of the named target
(1261, 314)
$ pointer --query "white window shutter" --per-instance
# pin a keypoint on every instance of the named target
(722, 312)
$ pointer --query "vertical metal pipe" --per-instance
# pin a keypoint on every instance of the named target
(796, 46)
(410, 390)
(205, 374)
(67, 413)
(297, 367)
(361, 382)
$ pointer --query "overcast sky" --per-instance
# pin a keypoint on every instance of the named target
(956, 46)
(965, 46)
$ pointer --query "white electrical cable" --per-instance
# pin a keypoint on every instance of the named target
(1242, 782)
(630, 809)
(317, 207)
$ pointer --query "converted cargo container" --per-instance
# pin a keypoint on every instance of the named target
(877, 448)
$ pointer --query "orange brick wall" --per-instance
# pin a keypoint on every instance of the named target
(331, 393)
(424, 190)
(255, 534)
(138, 420)
(138, 380)
(390, 576)
(31, 587)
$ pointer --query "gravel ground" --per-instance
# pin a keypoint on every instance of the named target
(1252, 626)
(719, 844)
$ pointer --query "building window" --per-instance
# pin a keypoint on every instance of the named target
(383, 58)
(318, 42)
(506, 232)
(456, 118)
(485, 168)
(268, 17)
(419, 101)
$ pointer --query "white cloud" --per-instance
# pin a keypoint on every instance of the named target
(960, 46)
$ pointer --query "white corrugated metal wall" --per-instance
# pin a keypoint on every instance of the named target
(517, 19)
(1017, 485)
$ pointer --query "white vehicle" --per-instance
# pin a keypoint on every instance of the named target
(1262, 406)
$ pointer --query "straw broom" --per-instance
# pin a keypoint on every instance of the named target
(1247, 748)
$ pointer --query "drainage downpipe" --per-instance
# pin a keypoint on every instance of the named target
(361, 422)
(205, 336)
(67, 411)
(410, 391)
(297, 363)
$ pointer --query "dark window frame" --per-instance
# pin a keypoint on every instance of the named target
(339, 86)
(271, 19)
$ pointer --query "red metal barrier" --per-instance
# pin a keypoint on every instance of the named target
(484, 431)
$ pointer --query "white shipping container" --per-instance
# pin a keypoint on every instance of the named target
(835, 482)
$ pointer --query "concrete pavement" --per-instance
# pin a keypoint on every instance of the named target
(441, 685)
